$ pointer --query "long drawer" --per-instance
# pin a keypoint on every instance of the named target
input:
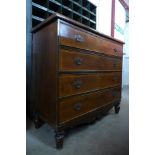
(73, 60)
(72, 84)
(74, 37)
(72, 107)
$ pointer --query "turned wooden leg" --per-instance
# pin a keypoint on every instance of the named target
(37, 121)
(117, 108)
(59, 138)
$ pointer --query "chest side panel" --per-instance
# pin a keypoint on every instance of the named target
(45, 51)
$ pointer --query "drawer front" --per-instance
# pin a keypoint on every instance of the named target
(72, 84)
(71, 36)
(71, 60)
(72, 107)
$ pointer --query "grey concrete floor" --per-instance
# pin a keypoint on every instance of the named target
(107, 136)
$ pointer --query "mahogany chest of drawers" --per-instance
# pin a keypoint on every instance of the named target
(77, 74)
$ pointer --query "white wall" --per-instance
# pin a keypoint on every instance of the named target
(103, 20)
(104, 17)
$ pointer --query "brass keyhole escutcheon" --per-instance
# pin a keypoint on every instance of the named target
(77, 106)
(78, 61)
(77, 84)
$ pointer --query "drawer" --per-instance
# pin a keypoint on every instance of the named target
(72, 60)
(72, 84)
(74, 37)
(74, 106)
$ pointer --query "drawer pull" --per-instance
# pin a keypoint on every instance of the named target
(79, 38)
(115, 50)
(78, 61)
(77, 106)
(77, 84)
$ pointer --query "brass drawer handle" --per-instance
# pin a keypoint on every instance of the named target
(77, 106)
(79, 38)
(77, 84)
(115, 50)
(78, 61)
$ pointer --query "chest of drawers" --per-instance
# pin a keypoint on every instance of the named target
(77, 74)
